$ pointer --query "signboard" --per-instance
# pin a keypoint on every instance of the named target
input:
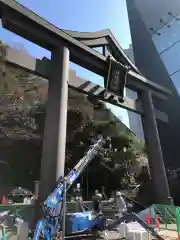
(116, 79)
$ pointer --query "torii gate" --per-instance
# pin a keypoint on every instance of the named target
(78, 47)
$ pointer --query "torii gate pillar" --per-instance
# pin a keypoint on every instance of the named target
(54, 142)
(155, 156)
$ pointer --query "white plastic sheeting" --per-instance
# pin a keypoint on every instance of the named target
(133, 231)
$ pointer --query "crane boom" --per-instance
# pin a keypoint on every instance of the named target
(46, 226)
(55, 197)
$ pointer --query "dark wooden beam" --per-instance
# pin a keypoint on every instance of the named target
(42, 68)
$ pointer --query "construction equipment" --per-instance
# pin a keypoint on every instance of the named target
(51, 225)
(79, 224)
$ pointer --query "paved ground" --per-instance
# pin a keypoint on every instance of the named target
(169, 235)
(169, 231)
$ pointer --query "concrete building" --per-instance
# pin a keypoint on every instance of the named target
(155, 32)
(129, 52)
(134, 120)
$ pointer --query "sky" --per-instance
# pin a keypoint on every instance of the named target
(78, 15)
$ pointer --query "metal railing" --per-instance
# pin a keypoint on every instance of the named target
(166, 215)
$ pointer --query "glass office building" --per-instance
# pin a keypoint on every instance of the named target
(167, 42)
(155, 33)
(162, 21)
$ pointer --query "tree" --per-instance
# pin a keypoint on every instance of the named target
(19, 96)
(117, 167)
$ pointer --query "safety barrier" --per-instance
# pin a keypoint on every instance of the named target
(166, 215)
(178, 220)
(165, 218)
(17, 222)
(3, 235)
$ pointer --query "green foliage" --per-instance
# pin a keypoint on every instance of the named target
(118, 164)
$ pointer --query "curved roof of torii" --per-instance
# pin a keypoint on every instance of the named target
(100, 39)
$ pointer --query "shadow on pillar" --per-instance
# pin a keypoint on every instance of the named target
(155, 156)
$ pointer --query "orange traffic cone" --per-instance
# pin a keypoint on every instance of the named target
(4, 201)
(148, 220)
(157, 222)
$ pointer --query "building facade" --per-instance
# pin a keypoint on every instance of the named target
(134, 120)
(155, 32)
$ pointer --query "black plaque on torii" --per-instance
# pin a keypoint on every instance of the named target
(116, 79)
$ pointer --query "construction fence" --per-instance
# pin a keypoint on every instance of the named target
(165, 217)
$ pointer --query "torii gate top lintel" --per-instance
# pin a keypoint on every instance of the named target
(24, 22)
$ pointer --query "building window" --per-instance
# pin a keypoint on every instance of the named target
(171, 58)
(168, 35)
